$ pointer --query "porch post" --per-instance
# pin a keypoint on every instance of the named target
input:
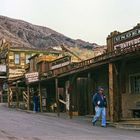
(111, 92)
(28, 101)
(70, 90)
(113, 81)
(17, 94)
(89, 94)
(57, 96)
(8, 95)
(39, 87)
(70, 101)
(1, 94)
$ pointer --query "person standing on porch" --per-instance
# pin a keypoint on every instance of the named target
(100, 103)
(35, 103)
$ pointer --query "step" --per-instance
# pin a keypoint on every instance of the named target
(126, 125)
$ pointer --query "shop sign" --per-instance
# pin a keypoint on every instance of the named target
(127, 43)
(127, 35)
(60, 65)
(16, 72)
(32, 77)
(60, 62)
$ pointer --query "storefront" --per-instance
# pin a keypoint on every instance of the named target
(126, 77)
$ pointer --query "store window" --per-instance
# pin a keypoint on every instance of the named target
(17, 58)
(27, 58)
(134, 83)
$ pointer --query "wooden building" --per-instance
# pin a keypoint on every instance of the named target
(46, 66)
(15, 61)
(117, 70)
(3, 74)
(125, 74)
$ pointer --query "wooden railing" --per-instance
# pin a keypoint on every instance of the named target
(111, 54)
(105, 56)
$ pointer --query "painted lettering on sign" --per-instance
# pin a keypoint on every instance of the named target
(32, 77)
(127, 43)
(60, 65)
(60, 62)
(127, 35)
(16, 72)
(33, 74)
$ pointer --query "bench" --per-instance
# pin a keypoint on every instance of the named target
(136, 110)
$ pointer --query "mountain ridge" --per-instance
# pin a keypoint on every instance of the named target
(25, 34)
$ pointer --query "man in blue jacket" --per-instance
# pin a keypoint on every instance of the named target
(100, 103)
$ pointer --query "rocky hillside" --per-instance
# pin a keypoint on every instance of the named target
(24, 34)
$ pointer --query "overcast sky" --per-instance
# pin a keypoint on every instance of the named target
(90, 20)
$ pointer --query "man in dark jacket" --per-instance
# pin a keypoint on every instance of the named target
(100, 103)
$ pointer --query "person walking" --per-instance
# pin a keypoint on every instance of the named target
(100, 103)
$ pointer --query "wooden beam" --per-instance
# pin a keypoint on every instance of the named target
(40, 95)
(114, 92)
(89, 94)
(71, 90)
(1, 94)
(111, 93)
(8, 95)
(28, 101)
(57, 98)
(17, 95)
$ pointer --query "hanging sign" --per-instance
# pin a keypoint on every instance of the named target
(32, 77)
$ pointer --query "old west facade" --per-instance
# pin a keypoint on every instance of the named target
(117, 70)
(127, 72)
(15, 61)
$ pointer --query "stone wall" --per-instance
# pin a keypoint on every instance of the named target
(128, 102)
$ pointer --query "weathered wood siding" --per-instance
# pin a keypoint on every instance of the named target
(129, 99)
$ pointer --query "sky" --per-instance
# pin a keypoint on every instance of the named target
(89, 20)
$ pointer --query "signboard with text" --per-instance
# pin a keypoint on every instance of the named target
(32, 77)
(126, 39)
(16, 72)
(60, 62)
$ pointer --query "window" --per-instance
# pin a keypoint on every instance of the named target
(135, 83)
(27, 57)
(17, 59)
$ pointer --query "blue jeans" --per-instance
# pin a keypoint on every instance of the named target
(100, 111)
(35, 107)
